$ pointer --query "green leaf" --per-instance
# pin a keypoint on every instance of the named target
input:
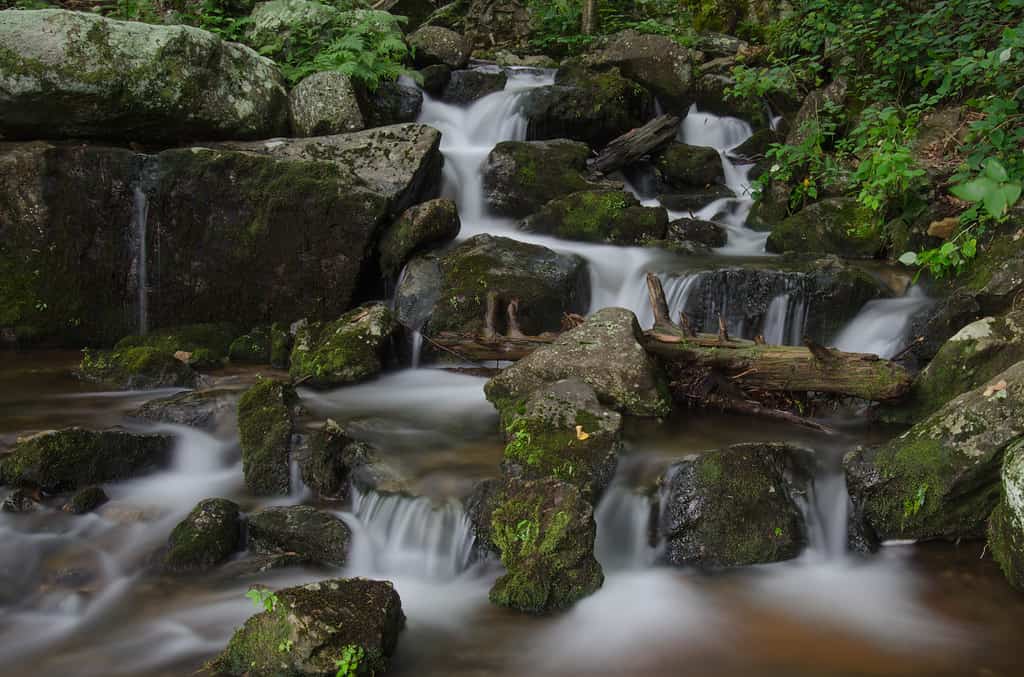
(974, 191)
(908, 258)
(969, 248)
(995, 203)
(995, 171)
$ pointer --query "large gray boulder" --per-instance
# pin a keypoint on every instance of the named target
(313, 535)
(520, 177)
(940, 479)
(605, 353)
(1006, 525)
(324, 103)
(74, 74)
(436, 45)
(655, 61)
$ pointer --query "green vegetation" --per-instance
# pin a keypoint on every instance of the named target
(262, 598)
(557, 24)
(348, 664)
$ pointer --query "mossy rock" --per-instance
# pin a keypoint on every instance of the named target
(208, 345)
(735, 507)
(324, 103)
(347, 350)
(68, 459)
(436, 45)
(834, 226)
(320, 624)
(562, 431)
(605, 353)
(331, 459)
(265, 425)
(136, 368)
(545, 531)
(657, 62)
(940, 479)
(210, 534)
(520, 177)
(995, 277)
(611, 217)
(1006, 525)
(280, 345)
(429, 223)
(86, 500)
(251, 348)
(697, 232)
(314, 535)
(686, 168)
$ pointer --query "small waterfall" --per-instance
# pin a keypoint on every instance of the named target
(414, 536)
(677, 293)
(623, 530)
(784, 321)
(882, 326)
(140, 215)
(297, 489)
(416, 348)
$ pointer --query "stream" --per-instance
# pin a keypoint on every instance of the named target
(76, 597)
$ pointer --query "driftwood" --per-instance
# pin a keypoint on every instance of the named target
(635, 143)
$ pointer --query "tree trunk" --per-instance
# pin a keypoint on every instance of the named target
(589, 19)
(636, 143)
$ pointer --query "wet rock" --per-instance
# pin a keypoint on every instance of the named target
(694, 200)
(832, 226)
(613, 217)
(433, 45)
(76, 74)
(136, 369)
(655, 61)
(479, 506)
(562, 431)
(696, 231)
(391, 103)
(996, 276)
(545, 531)
(312, 534)
(210, 534)
(686, 167)
(86, 500)
(1006, 525)
(348, 350)
(65, 460)
(593, 107)
(20, 501)
(935, 324)
(734, 507)
(546, 283)
(940, 479)
(206, 345)
(469, 85)
(435, 79)
(324, 103)
(429, 223)
(265, 425)
(756, 146)
(605, 353)
(251, 348)
(203, 409)
(254, 565)
(521, 177)
(419, 290)
(332, 460)
(970, 358)
(355, 618)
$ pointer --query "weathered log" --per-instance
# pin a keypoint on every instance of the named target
(485, 349)
(635, 143)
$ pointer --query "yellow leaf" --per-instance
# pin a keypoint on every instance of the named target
(580, 434)
(990, 390)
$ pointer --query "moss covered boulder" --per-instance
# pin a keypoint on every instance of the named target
(466, 86)
(545, 531)
(833, 226)
(198, 345)
(1006, 525)
(86, 500)
(940, 479)
(353, 621)
(562, 431)
(433, 222)
(136, 368)
(76, 74)
(657, 62)
(332, 460)
(449, 293)
(348, 350)
(685, 167)
(520, 177)
(265, 425)
(252, 348)
(68, 459)
(210, 534)
(735, 506)
(436, 45)
(612, 217)
(590, 106)
(324, 103)
(313, 535)
(605, 353)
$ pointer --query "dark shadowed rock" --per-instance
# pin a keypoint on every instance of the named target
(467, 86)
(313, 535)
(657, 62)
(86, 500)
(200, 409)
(210, 534)
(687, 168)
(429, 223)
(265, 425)
(833, 226)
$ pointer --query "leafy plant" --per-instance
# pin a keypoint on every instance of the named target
(993, 189)
(262, 598)
(348, 663)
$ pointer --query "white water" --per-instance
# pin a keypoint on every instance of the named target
(140, 216)
(881, 327)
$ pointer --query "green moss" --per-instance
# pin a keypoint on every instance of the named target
(141, 367)
(254, 347)
(208, 343)
(265, 428)
(207, 537)
(344, 351)
(1006, 541)
(256, 644)
(280, 346)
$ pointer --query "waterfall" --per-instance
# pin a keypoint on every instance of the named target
(140, 214)
(623, 530)
(785, 319)
(416, 348)
(882, 326)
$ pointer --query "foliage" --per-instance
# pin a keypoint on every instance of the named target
(348, 664)
(557, 24)
(262, 598)
(807, 165)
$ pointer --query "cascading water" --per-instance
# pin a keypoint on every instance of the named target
(140, 215)
(881, 327)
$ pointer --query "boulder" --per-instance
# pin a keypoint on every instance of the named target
(493, 23)
(332, 461)
(314, 535)
(613, 217)
(1006, 525)
(756, 146)
(203, 409)
(198, 345)
(479, 507)
(339, 625)
(265, 425)
(435, 79)
(436, 45)
(21, 501)
(210, 534)
(735, 506)
(696, 231)
(605, 353)
(467, 86)
(252, 348)
(453, 292)
(521, 177)
(657, 62)
(940, 479)
(545, 531)
(348, 350)
(693, 200)
(833, 226)
(136, 369)
(416, 11)
(391, 103)
(995, 277)
(685, 167)
(76, 74)
(562, 431)
(433, 222)
(324, 103)
(68, 459)
(588, 106)
(86, 500)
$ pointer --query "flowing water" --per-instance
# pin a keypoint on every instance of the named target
(78, 599)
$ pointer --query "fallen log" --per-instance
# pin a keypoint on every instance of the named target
(635, 143)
